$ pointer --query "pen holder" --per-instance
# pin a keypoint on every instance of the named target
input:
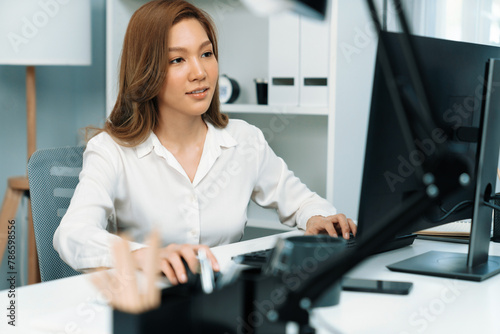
(261, 88)
(295, 259)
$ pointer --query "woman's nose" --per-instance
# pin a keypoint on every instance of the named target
(197, 70)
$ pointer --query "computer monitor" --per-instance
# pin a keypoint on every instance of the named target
(476, 265)
(454, 75)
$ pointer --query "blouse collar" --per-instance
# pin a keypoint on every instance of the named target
(216, 139)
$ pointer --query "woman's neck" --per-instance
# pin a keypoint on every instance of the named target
(181, 133)
(184, 137)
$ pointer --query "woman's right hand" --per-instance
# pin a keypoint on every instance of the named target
(171, 260)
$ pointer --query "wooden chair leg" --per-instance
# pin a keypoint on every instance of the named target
(9, 209)
(16, 187)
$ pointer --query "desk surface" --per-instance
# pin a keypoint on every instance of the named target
(435, 305)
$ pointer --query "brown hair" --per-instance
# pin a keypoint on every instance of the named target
(143, 66)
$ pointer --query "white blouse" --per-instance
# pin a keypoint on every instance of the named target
(137, 189)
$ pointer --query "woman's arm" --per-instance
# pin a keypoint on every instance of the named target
(82, 239)
(277, 187)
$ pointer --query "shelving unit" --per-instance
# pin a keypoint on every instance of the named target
(302, 136)
(265, 109)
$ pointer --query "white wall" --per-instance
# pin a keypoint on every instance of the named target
(357, 43)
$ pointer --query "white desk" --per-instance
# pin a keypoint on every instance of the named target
(435, 305)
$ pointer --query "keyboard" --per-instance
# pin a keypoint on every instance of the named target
(259, 258)
(254, 259)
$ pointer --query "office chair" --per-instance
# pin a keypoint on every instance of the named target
(53, 176)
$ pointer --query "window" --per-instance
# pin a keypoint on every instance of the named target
(494, 17)
(476, 21)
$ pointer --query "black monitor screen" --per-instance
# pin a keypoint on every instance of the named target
(453, 74)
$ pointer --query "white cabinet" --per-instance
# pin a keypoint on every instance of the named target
(302, 136)
(284, 58)
(314, 62)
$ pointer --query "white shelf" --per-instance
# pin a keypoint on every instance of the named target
(265, 109)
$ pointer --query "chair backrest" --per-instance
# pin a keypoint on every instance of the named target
(53, 176)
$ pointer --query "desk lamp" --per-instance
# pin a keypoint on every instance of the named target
(35, 33)
(312, 8)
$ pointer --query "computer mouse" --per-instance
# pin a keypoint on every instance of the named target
(195, 279)
(192, 278)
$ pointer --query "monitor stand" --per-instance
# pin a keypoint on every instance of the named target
(476, 265)
(448, 264)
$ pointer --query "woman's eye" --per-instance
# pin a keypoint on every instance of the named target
(176, 61)
(207, 54)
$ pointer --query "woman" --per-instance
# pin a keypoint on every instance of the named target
(167, 159)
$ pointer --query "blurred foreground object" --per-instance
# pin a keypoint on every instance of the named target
(120, 286)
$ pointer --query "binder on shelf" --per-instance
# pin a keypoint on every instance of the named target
(283, 87)
(314, 62)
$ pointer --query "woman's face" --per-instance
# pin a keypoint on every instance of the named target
(192, 73)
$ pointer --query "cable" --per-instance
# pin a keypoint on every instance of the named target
(493, 206)
(468, 201)
(455, 208)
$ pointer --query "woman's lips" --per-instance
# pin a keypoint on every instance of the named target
(198, 93)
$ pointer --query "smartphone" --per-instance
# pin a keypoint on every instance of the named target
(376, 286)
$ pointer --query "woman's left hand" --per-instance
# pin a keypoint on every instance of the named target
(334, 225)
